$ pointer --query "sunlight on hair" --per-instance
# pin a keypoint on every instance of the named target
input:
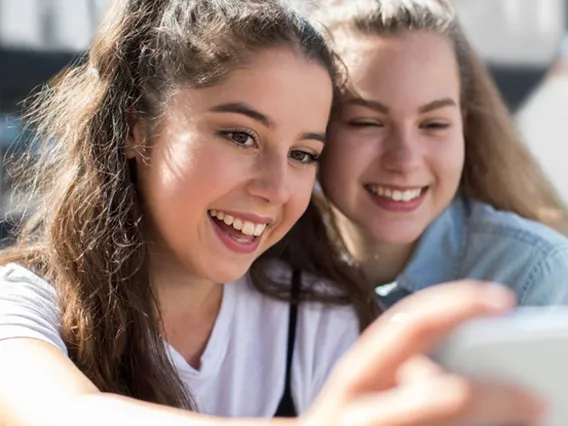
(305, 7)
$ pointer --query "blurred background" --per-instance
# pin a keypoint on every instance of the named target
(524, 42)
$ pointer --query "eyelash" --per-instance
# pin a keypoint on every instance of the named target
(230, 133)
(436, 125)
(362, 124)
(428, 126)
(313, 157)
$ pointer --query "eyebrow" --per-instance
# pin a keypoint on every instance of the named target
(243, 109)
(314, 136)
(366, 103)
(437, 104)
(382, 108)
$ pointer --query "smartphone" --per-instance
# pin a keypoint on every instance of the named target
(528, 347)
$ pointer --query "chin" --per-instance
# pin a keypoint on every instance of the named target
(397, 236)
(225, 272)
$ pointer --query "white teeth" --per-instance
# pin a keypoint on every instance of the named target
(246, 227)
(396, 195)
(259, 229)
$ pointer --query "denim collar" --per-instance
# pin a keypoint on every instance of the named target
(439, 252)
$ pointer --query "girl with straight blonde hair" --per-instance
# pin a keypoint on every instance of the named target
(424, 178)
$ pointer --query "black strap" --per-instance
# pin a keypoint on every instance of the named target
(286, 408)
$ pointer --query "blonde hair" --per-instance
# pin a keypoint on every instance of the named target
(498, 170)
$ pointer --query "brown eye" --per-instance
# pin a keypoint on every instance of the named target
(304, 157)
(239, 138)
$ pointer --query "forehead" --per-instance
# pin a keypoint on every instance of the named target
(412, 67)
(272, 81)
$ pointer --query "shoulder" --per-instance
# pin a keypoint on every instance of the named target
(318, 322)
(17, 281)
(524, 254)
(28, 306)
(514, 230)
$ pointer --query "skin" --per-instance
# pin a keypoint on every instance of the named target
(400, 127)
(384, 380)
(247, 146)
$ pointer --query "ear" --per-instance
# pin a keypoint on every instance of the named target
(136, 138)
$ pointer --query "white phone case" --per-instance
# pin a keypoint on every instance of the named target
(528, 347)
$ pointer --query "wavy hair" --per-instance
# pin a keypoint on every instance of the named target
(86, 236)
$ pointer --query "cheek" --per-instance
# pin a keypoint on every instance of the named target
(196, 169)
(174, 175)
(449, 157)
(458, 156)
(345, 159)
(301, 193)
(174, 201)
(182, 182)
(301, 189)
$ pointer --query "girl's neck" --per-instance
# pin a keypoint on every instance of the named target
(380, 262)
(189, 306)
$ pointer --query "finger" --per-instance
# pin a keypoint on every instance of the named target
(443, 401)
(416, 369)
(413, 327)
(502, 404)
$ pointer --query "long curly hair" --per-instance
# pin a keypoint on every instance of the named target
(85, 236)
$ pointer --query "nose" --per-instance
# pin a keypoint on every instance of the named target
(401, 151)
(271, 181)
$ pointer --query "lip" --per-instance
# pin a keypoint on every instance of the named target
(257, 220)
(398, 206)
(397, 187)
(230, 243)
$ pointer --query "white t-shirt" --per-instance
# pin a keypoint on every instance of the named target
(243, 367)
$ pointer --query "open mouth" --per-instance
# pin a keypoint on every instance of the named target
(395, 199)
(238, 234)
(396, 195)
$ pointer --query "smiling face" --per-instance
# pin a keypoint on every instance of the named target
(231, 167)
(395, 151)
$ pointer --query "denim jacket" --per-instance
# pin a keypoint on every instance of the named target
(473, 240)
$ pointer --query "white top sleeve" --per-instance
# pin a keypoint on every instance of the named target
(28, 307)
(242, 369)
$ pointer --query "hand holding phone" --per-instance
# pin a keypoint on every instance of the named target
(528, 347)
